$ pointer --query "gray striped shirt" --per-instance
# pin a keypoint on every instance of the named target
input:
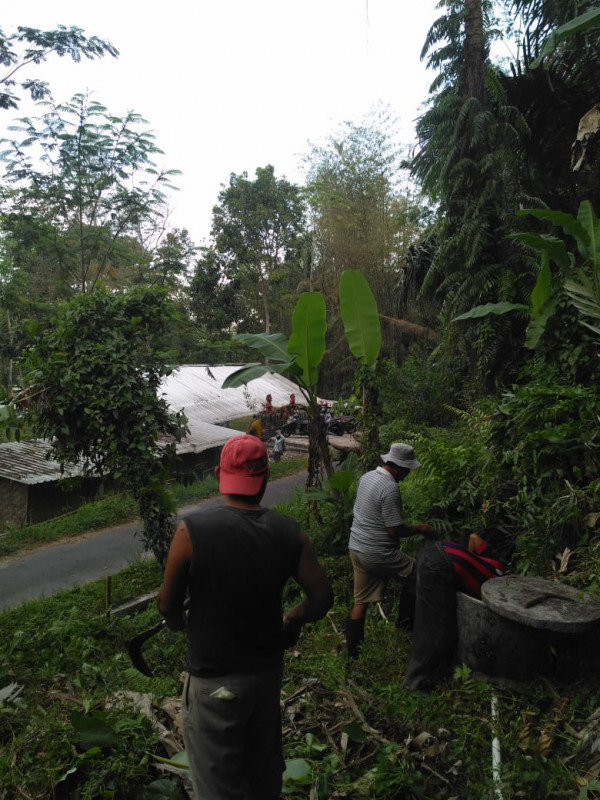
(378, 506)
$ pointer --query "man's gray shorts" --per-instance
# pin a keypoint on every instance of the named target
(232, 733)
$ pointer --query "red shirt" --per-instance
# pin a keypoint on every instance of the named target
(472, 569)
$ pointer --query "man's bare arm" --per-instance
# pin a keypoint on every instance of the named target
(404, 530)
(175, 580)
(314, 581)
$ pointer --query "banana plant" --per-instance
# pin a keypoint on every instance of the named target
(583, 23)
(362, 327)
(300, 357)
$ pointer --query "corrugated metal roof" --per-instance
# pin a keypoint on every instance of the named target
(203, 436)
(26, 462)
(197, 390)
(192, 388)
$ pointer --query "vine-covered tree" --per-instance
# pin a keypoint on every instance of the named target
(95, 375)
(467, 160)
(490, 144)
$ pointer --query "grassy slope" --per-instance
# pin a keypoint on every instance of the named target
(353, 731)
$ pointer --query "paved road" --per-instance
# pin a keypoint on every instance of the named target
(43, 572)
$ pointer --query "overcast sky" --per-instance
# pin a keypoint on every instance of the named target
(232, 85)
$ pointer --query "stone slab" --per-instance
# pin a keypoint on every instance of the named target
(495, 645)
(542, 604)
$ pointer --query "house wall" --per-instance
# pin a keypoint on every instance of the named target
(22, 503)
(190, 467)
(13, 503)
(51, 499)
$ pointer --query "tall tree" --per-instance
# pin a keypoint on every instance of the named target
(29, 46)
(489, 144)
(212, 299)
(365, 218)
(467, 160)
(86, 181)
(258, 229)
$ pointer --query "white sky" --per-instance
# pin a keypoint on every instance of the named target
(232, 85)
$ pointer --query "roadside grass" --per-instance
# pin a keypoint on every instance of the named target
(71, 726)
(115, 509)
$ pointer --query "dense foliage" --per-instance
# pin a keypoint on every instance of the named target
(96, 374)
(77, 721)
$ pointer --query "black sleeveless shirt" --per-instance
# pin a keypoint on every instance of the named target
(241, 561)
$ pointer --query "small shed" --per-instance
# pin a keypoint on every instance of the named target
(29, 483)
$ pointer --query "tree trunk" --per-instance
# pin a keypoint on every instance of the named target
(319, 459)
(265, 299)
(474, 77)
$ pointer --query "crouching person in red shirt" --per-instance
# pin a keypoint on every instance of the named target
(443, 569)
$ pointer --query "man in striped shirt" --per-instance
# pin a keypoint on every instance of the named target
(377, 526)
(443, 569)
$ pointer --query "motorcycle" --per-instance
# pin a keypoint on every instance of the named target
(344, 424)
(298, 425)
(295, 426)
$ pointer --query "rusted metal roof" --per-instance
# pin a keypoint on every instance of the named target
(194, 389)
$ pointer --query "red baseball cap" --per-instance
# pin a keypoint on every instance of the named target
(244, 464)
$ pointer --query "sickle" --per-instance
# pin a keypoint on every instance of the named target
(135, 648)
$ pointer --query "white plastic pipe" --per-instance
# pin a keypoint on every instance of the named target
(496, 752)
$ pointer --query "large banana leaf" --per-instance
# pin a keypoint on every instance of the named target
(570, 224)
(554, 247)
(250, 372)
(307, 339)
(537, 325)
(491, 308)
(359, 315)
(584, 22)
(586, 299)
(591, 224)
(273, 346)
(542, 291)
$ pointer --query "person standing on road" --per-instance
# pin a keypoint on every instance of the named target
(234, 561)
(377, 526)
(278, 445)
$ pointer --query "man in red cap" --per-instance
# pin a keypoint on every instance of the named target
(234, 561)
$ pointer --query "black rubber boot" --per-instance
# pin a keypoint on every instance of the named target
(406, 611)
(355, 633)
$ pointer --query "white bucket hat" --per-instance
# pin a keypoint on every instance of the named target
(402, 455)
